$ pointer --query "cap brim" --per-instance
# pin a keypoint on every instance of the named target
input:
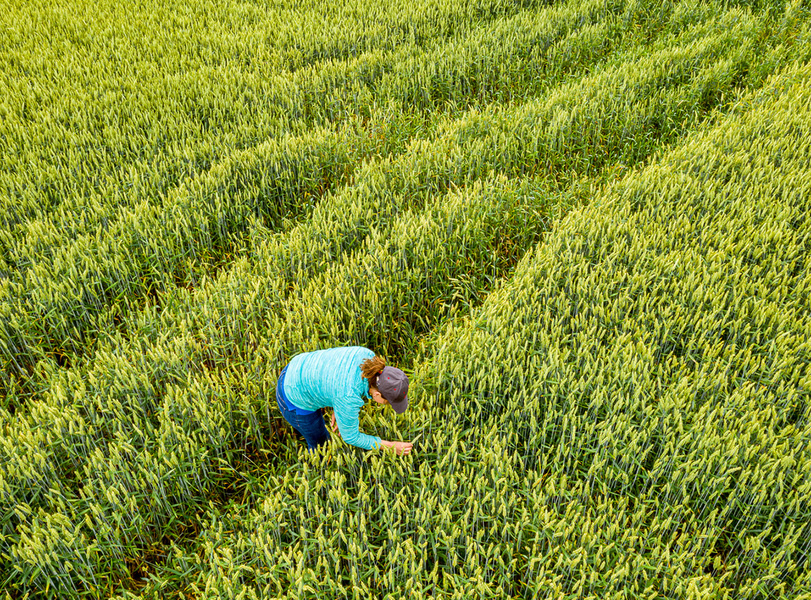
(399, 407)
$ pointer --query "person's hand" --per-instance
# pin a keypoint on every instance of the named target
(334, 426)
(399, 447)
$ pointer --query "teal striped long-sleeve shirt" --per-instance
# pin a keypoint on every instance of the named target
(332, 378)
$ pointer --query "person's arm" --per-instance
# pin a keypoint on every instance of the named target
(398, 447)
(346, 416)
(348, 429)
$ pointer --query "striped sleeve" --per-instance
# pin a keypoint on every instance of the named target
(346, 416)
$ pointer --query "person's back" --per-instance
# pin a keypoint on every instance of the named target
(315, 379)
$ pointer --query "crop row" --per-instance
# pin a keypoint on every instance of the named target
(628, 415)
(109, 100)
(121, 461)
(62, 304)
(71, 271)
(45, 245)
(414, 77)
(659, 347)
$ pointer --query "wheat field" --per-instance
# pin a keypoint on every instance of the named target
(581, 227)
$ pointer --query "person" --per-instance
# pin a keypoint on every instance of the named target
(339, 378)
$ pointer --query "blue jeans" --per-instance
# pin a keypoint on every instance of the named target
(311, 426)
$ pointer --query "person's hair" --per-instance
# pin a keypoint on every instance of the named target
(370, 367)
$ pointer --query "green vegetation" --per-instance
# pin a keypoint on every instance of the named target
(580, 226)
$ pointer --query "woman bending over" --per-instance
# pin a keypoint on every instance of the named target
(341, 379)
